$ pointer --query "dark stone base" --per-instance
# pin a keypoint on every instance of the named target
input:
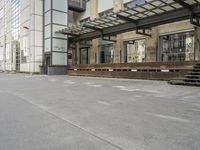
(57, 70)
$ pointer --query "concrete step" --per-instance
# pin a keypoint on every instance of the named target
(192, 76)
(180, 82)
(196, 70)
(193, 73)
(191, 80)
(196, 67)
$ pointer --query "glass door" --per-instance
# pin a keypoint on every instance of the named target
(84, 56)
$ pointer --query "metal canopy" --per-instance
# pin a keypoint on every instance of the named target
(74, 30)
(147, 14)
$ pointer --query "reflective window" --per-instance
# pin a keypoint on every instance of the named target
(134, 51)
(55, 43)
(59, 58)
(59, 45)
(59, 18)
(47, 5)
(177, 47)
(60, 5)
(15, 30)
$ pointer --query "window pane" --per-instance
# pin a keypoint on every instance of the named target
(177, 47)
(136, 51)
(60, 5)
(59, 58)
(48, 31)
(47, 5)
(57, 28)
(47, 18)
(47, 45)
(59, 45)
(59, 18)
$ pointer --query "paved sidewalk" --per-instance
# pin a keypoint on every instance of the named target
(79, 113)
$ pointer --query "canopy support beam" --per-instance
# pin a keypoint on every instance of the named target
(195, 20)
(126, 19)
(143, 32)
(108, 39)
(93, 28)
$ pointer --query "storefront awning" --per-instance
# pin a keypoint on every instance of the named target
(149, 13)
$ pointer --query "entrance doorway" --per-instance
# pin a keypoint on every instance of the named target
(84, 55)
(47, 63)
(106, 54)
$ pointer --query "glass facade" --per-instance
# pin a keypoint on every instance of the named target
(56, 18)
(15, 29)
(177, 47)
(10, 34)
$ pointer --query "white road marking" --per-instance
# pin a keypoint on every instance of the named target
(119, 87)
(39, 79)
(34, 76)
(171, 118)
(104, 103)
(69, 82)
(88, 83)
(130, 90)
(97, 85)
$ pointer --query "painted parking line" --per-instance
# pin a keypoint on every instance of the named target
(130, 90)
(172, 118)
(69, 82)
(95, 85)
(104, 103)
(123, 88)
(119, 87)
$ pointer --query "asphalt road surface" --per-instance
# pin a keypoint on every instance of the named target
(80, 113)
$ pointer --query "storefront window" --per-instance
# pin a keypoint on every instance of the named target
(177, 47)
(135, 51)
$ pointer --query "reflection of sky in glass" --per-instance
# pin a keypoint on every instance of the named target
(134, 3)
(15, 19)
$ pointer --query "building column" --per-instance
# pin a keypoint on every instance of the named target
(77, 59)
(118, 5)
(95, 42)
(197, 43)
(152, 46)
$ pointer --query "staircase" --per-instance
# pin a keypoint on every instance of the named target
(191, 79)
